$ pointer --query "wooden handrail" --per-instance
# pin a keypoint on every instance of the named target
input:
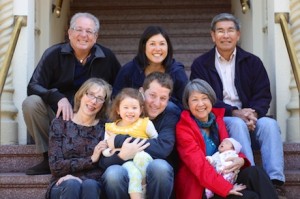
(19, 22)
(282, 19)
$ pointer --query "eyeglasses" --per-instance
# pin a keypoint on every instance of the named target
(91, 96)
(81, 31)
(229, 31)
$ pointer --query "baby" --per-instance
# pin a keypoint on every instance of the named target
(229, 147)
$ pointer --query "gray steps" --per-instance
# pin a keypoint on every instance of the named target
(15, 159)
(21, 186)
(292, 184)
(292, 168)
(158, 7)
(291, 156)
(14, 183)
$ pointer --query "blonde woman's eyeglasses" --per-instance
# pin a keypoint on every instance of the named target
(91, 96)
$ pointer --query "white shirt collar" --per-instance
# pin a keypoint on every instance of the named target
(219, 56)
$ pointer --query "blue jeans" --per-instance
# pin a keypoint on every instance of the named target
(266, 137)
(88, 189)
(159, 178)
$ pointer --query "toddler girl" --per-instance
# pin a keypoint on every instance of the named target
(127, 111)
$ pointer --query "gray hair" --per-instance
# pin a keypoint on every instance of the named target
(85, 15)
(201, 86)
(225, 17)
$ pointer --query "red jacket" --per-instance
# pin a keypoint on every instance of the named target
(195, 172)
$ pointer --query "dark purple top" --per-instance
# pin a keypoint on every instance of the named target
(71, 147)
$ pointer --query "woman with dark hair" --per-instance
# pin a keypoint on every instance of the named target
(155, 54)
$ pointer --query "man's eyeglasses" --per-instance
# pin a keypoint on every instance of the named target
(81, 31)
(91, 96)
(229, 31)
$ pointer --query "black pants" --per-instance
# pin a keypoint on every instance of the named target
(259, 185)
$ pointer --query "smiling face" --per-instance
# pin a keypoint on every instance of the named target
(225, 37)
(129, 110)
(156, 99)
(82, 36)
(199, 105)
(156, 49)
(89, 105)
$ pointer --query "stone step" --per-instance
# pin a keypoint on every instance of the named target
(292, 184)
(18, 158)
(14, 183)
(15, 159)
(92, 3)
(155, 11)
(291, 156)
(138, 15)
(135, 30)
(148, 6)
(22, 186)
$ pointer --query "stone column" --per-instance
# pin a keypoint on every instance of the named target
(8, 111)
(293, 122)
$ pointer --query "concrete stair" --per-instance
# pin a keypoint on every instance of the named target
(292, 168)
(21, 186)
(15, 159)
(14, 183)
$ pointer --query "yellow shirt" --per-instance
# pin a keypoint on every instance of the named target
(139, 129)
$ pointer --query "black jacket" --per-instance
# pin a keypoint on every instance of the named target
(53, 77)
(251, 80)
(133, 76)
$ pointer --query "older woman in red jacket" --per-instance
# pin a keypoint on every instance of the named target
(198, 134)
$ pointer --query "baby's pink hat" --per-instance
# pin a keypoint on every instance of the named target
(237, 146)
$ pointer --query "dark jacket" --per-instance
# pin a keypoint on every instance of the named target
(53, 77)
(251, 80)
(160, 147)
(132, 75)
